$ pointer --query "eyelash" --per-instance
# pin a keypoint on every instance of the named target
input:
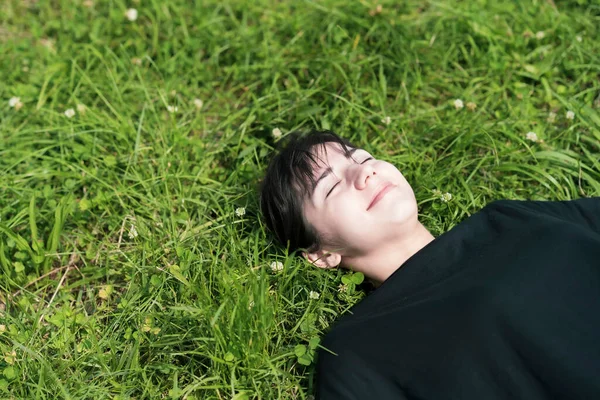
(328, 193)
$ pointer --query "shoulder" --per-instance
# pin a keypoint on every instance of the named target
(344, 346)
(554, 208)
(347, 371)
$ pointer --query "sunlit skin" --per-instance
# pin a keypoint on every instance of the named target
(361, 230)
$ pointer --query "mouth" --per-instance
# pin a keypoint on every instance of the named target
(380, 194)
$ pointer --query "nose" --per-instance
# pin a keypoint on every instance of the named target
(361, 174)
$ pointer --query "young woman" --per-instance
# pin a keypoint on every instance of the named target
(506, 305)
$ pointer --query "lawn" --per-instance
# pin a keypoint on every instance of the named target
(134, 261)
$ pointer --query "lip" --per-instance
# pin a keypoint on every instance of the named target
(380, 193)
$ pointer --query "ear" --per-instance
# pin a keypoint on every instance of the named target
(323, 258)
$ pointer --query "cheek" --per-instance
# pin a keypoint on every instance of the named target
(391, 171)
(393, 174)
(324, 221)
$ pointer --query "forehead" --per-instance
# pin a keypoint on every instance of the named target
(329, 152)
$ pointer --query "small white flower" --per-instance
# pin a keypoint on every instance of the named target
(540, 35)
(81, 108)
(532, 136)
(2, 328)
(551, 117)
(471, 106)
(251, 304)
(10, 357)
(70, 113)
(376, 11)
(570, 115)
(458, 104)
(131, 14)
(314, 295)
(446, 197)
(198, 103)
(342, 288)
(387, 120)
(276, 133)
(276, 266)
(48, 43)
(133, 233)
(136, 61)
(172, 109)
(579, 39)
(240, 211)
(14, 101)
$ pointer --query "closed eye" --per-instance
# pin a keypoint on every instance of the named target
(331, 190)
(328, 193)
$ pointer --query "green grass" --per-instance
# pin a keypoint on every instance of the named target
(185, 304)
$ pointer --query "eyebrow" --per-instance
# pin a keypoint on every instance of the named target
(328, 171)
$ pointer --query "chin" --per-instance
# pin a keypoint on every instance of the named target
(403, 212)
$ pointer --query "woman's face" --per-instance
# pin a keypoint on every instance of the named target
(358, 202)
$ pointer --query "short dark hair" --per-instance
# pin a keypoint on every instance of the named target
(289, 178)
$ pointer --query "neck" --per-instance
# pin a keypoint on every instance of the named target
(380, 264)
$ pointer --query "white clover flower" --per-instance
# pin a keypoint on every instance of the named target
(314, 295)
(276, 266)
(198, 103)
(446, 197)
(14, 101)
(377, 10)
(131, 14)
(136, 61)
(10, 357)
(458, 104)
(276, 133)
(81, 108)
(540, 35)
(579, 39)
(70, 113)
(551, 117)
(387, 120)
(471, 106)
(240, 211)
(18, 106)
(570, 115)
(133, 233)
(2, 328)
(172, 109)
(342, 288)
(532, 136)
(48, 43)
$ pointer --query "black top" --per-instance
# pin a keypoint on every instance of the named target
(506, 305)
